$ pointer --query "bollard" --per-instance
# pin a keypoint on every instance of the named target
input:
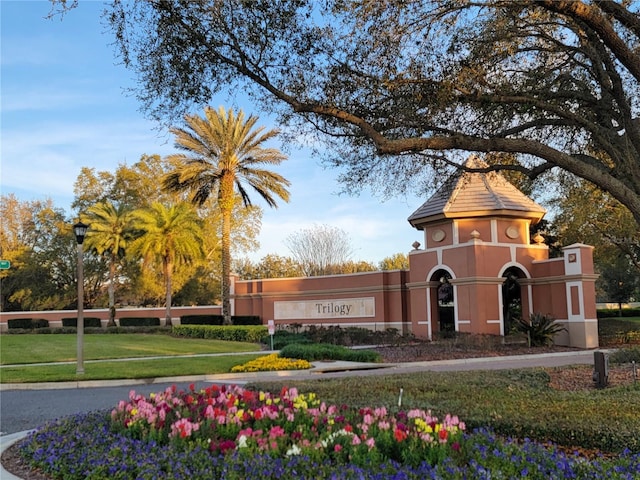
(601, 369)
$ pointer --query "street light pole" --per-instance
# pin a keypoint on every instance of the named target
(80, 230)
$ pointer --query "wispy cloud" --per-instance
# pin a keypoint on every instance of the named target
(63, 108)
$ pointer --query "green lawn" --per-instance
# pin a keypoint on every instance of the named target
(517, 403)
(616, 331)
(19, 352)
(165, 367)
(635, 321)
(44, 348)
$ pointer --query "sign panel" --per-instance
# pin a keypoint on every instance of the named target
(271, 325)
(327, 308)
(5, 264)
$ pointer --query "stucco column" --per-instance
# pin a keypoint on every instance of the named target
(582, 321)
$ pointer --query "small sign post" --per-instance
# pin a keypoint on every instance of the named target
(5, 264)
(271, 325)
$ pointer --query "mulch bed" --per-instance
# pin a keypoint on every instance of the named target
(573, 378)
(580, 377)
(13, 464)
(424, 351)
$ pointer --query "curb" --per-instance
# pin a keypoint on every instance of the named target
(237, 378)
(5, 442)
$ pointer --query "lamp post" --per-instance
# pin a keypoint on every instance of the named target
(80, 230)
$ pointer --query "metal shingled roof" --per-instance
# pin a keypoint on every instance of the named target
(467, 194)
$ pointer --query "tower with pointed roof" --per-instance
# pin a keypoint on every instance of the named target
(479, 269)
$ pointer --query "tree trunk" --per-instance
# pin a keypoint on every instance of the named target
(111, 291)
(225, 202)
(168, 271)
(226, 267)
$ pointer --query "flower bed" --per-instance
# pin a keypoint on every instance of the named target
(233, 418)
(234, 433)
(270, 363)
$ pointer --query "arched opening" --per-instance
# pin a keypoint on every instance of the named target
(446, 309)
(511, 298)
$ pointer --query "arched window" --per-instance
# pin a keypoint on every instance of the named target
(446, 313)
(511, 298)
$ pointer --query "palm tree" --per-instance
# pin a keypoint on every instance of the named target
(172, 234)
(224, 156)
(112, 230)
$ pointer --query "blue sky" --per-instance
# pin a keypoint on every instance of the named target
(63, 107)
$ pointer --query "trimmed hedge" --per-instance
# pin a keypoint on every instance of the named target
(326, 351)
(139, 322)
(615, 313)
(201, 320)
(246, 320)
(231, 333)
(341, 336)
(625, 355)
(282, 338)
(27, 323)
(219, 319)
(89, 322)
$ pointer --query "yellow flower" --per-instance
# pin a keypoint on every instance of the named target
(271, 362)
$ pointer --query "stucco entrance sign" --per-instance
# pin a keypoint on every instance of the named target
(326, 308)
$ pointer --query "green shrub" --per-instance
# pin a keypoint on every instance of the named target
(22, 323)
(246, 320)
(89, 322)
(326, 351)
(616, 331)
(139, 322)
(540, 329)
(231, 333)
(282, 338)
(27, 323)
(625, 355)
(615, 312)
(219, 319)
(339, 336)
(201, 320)
(40, 323)
(155, 329)
(69, 330)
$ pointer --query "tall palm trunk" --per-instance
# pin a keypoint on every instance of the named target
(168, 272)
(226, 268)
(111, 292)
(226, 207)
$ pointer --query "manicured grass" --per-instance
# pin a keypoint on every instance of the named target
(619, 331)
(633, 321)
(45, 348)
(516, 403)
(165, 367)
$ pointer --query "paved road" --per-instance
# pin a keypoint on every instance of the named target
(24, 409)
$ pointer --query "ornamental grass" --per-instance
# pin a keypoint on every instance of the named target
(233, 433)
